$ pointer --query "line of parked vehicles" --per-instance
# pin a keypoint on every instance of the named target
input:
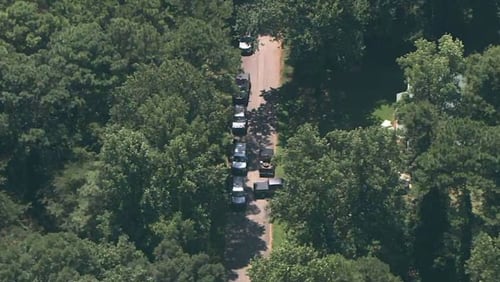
(239, 156)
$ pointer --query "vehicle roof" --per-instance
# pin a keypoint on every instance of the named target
(240, 149)
(243, 76)
(238, 189)
(238, 181)
(276, 181)
(261, 186)
(239, 110)
(266, 152)
(239, 119)
(246, 36)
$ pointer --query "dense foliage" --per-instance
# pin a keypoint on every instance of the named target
(113, 119)
(347, 186)
(113, 132)
(294, 263)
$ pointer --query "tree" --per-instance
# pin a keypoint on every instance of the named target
(483, 85)
(293, 262)
(10, 211)
(419, 119)
(63, 256)
(344, 194)
(113, 121)
(184, 92)
(435, 72)
(111, 201)
(85, 11)
(485, 257)
(325, 36)
(213, 12)
(207, 48)
(392, 25)
(456, 180)
(82, 55)
(134, 44)
(37, 131)
(25, 28)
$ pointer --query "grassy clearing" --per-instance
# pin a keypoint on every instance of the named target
(383, 112)
(278, 234)
(279, 172)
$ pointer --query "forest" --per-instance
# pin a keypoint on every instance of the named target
(114, 134)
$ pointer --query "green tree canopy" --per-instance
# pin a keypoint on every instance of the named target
(63, 257)
(435, 72)
(485, 258)
(292, 262)
(343, 193)
(457, 184)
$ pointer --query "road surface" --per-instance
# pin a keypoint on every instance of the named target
(249, 233)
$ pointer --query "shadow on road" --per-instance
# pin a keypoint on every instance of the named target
(243, 240)
(262, 124)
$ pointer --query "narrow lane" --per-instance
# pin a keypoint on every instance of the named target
(249, 233)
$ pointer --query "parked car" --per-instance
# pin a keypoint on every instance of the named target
(261, 190)
(264, 189)
(242, 96)
(276, 183)
(246, 45)
(239, 125)
(238, 194)
(239, 160)
(266, 167)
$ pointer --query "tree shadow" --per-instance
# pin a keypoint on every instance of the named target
(262, 121)
(252, 208)
(243, 242)
(253, 147)
(262, 124)
(346, 101)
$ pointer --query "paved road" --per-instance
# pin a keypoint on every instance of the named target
(249, 233)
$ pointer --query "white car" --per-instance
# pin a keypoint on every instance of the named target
(246, 45)
(238, 194)
(240, 124)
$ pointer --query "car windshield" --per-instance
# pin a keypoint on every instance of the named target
(246, 39)
(239, 119)
(238, 194)
(242, 78)
(239, 111)
(239, 159)
(242, 83)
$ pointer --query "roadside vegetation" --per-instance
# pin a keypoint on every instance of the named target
(420, 201)
(114, 126)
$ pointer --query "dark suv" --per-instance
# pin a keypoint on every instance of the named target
(241, 97)
(238, 194)
(239, 160)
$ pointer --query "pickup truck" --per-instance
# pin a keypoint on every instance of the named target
(266, 167)
(264, 189)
